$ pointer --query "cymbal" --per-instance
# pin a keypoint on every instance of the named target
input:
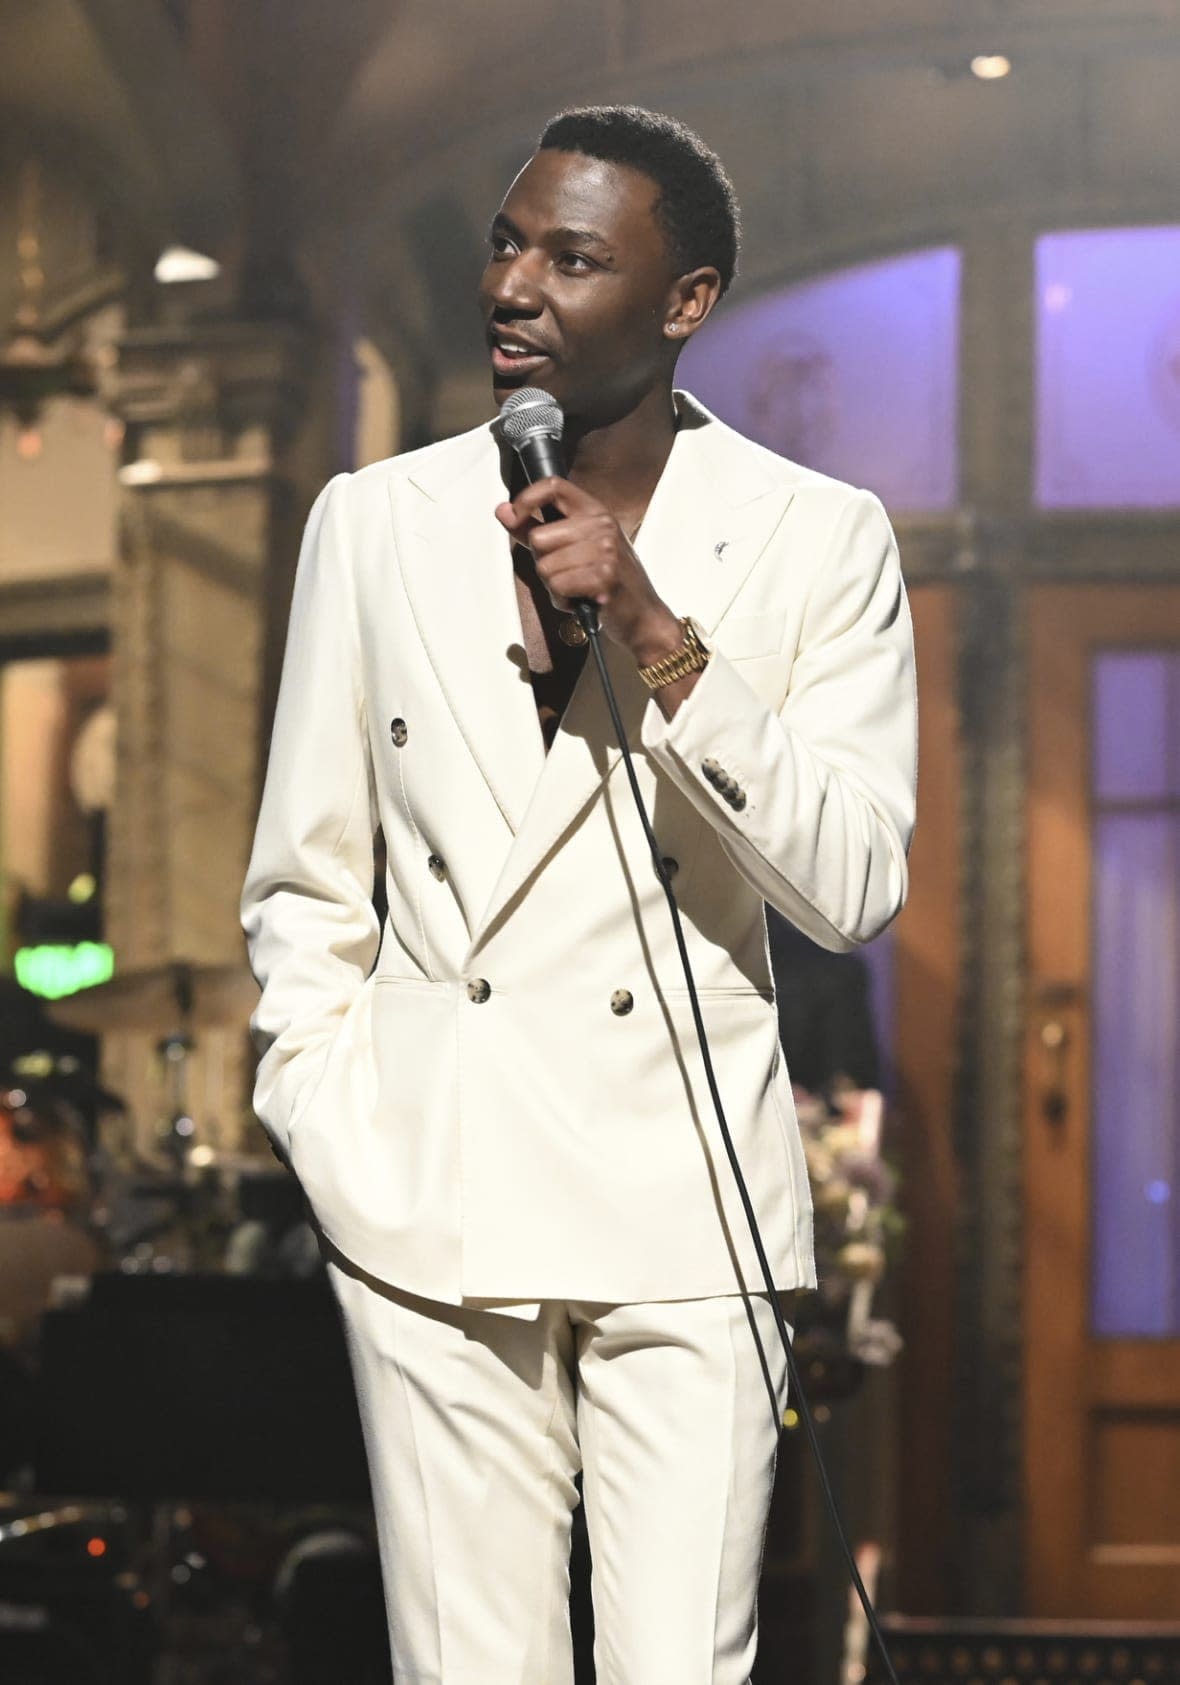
(159, 999)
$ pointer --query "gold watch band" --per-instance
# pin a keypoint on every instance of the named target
(689, 657)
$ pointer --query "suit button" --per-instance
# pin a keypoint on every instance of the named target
(712, 772)
(621, 1002)
(478, 990)
(738, 800)
(397, 730)
(671, 867)
(437, 866)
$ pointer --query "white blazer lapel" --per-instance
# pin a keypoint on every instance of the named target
(456, 563)
(711, 515)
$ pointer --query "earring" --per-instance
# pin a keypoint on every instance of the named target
(672, 327)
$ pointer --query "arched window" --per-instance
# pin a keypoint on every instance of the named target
(1135, 802)
(854, 373)
(1108, 368)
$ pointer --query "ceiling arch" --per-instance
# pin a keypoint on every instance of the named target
(368, 144)
(842, 140)
(106, 86)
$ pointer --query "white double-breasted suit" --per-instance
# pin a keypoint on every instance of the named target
(499, 1096)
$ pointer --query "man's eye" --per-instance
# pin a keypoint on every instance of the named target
(577, 261)
(501, 245)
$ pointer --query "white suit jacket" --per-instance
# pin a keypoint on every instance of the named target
(470, 1115)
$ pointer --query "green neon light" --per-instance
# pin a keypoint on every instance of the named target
(54, 969)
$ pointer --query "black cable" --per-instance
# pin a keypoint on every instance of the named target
(588, 615)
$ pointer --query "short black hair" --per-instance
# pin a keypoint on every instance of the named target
(697, 205)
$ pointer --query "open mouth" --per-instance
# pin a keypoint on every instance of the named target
(513, 357)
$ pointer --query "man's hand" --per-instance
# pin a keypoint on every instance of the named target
(587, 555)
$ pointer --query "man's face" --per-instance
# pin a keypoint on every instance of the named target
(580, 282)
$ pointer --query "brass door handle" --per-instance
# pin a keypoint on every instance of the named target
(1054, 1037)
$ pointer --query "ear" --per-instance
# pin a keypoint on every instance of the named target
(690, 300)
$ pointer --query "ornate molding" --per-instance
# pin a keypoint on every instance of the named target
(1118, 546)
(149, 475)
(216, 385)
(987, 1120)
(69, 611)
(210, 410)
(137, 900)
(1099, 545)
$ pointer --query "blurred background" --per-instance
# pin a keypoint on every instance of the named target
(239, 241)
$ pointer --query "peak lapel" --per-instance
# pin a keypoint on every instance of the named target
(457, 567)
(713, 493)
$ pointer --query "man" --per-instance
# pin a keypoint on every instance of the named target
(496, 1104)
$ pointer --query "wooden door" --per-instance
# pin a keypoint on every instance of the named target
(1102, 1112)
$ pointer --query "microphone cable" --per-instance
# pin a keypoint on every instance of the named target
(587, 613)
(531, 423)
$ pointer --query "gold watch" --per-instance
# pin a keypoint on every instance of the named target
(689, 657)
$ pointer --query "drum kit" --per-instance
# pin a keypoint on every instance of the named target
(69, 1205)
(120, 1380)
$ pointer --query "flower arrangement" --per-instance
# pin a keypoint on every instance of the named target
(857, 1228)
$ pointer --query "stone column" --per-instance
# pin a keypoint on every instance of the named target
(208, 534)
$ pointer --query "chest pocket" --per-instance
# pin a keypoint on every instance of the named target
(745, 637)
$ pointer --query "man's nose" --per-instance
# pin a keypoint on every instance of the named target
(512, 285)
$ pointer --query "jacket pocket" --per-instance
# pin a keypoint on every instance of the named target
(745, 637)
(341, 1041)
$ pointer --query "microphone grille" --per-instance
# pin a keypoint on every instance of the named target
(526, 413)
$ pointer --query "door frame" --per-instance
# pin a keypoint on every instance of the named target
(1120, 1581)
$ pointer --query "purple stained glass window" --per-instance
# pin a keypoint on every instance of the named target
(1136, 740)
(854, 373)
(1108, 368)
(1135, 966)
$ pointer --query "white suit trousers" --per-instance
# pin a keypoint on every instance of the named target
(476, 1424)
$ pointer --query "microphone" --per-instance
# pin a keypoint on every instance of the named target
(531, 422)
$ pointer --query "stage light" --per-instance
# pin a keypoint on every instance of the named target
(54, 969)
(35, 1065)
(990, 67)
(179, 263)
